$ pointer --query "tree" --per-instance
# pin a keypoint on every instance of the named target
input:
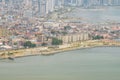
(44, 44)
(10, 54)
(28, 44)
(67, 27)
(56, 41)
(3, 42)
(15, 43)
(97, 37)
(33, 45)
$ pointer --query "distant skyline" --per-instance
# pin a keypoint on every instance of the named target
(44, 7)
(70, 2)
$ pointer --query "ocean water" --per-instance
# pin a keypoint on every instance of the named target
(102, 63)
(102, 15)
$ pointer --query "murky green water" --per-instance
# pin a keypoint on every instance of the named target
(87, 64)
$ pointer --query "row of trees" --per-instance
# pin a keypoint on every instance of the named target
(29, 44)
(55, 41)
(97, 37)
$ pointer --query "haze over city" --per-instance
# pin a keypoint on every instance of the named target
(43, 7)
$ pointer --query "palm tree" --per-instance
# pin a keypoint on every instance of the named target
(10, 53)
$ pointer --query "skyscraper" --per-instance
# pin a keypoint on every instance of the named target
(27, 3)
(74, 2)
(58, 3)
(50, 4)
(86, 3)
(79, 2)
(41, 7)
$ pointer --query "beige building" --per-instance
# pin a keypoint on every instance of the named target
(74, 37)
(4, 32)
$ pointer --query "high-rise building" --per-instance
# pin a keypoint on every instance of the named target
(58, 3)
(27, 3)
(79, 2)
(42, 7)
(86, 3)
(74, 2)
(50, 4)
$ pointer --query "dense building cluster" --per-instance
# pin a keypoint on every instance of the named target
(32, 7)
(25, 20)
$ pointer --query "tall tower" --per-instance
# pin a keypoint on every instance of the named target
(50, 4)
(58, 3)
(42, 7)
(74, 2)
(86, 3)
(28, 2)
(79, 2)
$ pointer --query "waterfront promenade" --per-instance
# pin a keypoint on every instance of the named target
(58, 49)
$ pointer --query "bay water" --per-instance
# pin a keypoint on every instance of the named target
(101, 63)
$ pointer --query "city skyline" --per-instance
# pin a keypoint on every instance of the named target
(43, 7)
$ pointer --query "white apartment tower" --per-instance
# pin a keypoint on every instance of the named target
(50, 4)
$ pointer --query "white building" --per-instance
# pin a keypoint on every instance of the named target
(50, 5)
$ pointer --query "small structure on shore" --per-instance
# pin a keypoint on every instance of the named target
(10, 58)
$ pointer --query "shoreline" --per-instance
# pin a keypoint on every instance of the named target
(47, 52)
(57, 52)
